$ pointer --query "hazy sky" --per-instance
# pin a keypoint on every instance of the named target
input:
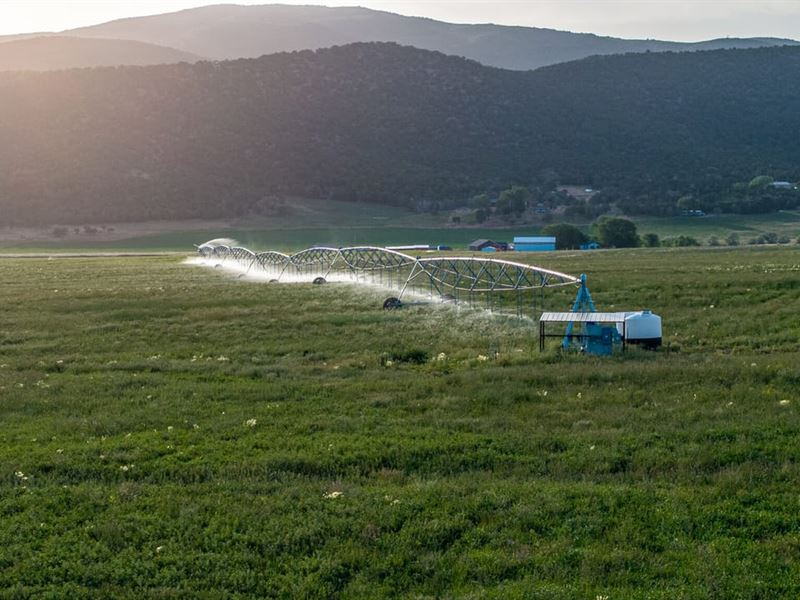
(663, 19)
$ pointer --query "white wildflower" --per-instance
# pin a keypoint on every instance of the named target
(784, 402)
(170, 428)
(333, 494)
(195, 426)
(580, 395)
(251, 422)
(60, 451)
(222, 359)
(159, 548)
(482, 358)
(441, 356)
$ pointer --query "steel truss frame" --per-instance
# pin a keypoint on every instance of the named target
(493, 283)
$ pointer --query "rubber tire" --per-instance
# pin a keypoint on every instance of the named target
(392, 303)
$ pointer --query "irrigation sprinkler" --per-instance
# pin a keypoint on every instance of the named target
(497, 285)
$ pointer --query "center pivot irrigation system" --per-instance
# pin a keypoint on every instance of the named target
(497, 285)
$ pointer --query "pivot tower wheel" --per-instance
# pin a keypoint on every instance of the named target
(392, 303)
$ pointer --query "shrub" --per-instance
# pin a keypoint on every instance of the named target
(681, 241)
(415, 356)
(568, 237)
(615, 232)
(651, 240)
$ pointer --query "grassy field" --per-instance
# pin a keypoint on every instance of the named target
(349, 224)
(282, 239)
(171, 432)
(747, 227)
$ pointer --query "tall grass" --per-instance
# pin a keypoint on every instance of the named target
(171, 432)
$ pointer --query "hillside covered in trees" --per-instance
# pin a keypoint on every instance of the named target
(389, 124)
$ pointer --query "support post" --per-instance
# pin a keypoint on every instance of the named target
(583, 304)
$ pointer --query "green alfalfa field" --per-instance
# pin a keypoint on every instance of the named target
(169, 431)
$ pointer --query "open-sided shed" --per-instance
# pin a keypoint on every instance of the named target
(598, 318)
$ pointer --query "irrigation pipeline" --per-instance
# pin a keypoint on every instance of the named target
(490, 283)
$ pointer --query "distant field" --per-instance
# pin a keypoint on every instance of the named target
(289, 239)
(344, 224)
(747, 226)
(170, 431)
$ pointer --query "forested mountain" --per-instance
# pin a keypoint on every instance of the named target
(46, 53)
(231, 31)
(387, 124)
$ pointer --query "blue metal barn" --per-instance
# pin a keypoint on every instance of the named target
(534, 244)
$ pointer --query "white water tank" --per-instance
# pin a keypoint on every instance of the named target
(643, 328)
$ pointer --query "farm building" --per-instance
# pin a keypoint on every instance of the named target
(534, 244)
(590, 246)
(483, 245)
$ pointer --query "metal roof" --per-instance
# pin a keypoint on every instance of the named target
(583, 317)
(535, 240)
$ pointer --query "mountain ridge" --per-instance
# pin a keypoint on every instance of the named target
(230, 31)
(53, 52)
